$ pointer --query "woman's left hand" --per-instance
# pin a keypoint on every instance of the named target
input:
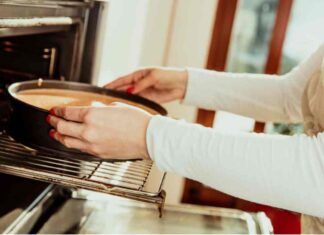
(117, 131)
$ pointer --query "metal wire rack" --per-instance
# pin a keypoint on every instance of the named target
(139, 180)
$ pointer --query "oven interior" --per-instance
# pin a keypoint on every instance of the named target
(51, 50)
(28, 57)
(47, 56)
(20, 193)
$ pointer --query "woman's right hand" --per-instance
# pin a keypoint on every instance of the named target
(157, 84)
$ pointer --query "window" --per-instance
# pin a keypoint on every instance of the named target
(248, 50)
(305, 34)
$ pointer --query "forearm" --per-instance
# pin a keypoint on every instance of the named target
(257, 96)
(282, 171)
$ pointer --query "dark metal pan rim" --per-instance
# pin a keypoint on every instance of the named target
(14, 88)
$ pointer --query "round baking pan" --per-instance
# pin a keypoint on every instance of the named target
(28, 125)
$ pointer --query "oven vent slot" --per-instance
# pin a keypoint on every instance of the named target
(139, 180)
(35, 22)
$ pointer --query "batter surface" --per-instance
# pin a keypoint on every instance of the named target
(49, 98)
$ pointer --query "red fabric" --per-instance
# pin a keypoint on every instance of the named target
(284, 222)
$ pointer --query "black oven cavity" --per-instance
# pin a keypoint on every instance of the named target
(49, 40)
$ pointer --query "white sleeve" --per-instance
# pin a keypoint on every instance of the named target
(281, 171)
(259, 96)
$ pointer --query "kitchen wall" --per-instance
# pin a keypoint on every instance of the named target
(158, 33)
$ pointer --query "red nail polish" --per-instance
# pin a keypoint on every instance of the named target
(52, 112)
(48, 119)
(52, 133)
(130, 89)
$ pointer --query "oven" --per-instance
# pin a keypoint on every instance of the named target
(41, 193)
(47, 39)
(50, 40)
(59, 40)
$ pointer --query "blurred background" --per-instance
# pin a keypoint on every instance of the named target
(247, 36)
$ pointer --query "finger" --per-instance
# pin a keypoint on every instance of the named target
(70, 113)
(69, 142)
(144, 84)
(124, 88)
(122, 81)
(64, 127)
(129, 79)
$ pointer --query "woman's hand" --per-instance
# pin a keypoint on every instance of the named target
(117, 131)
(157, 84)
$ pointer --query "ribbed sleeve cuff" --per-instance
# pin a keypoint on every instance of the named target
(193, 91)
(154, 138)
(170, 144)
(165, 143)
(202, 86)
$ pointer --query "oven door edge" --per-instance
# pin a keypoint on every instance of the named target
(26, 221)
(94, 42)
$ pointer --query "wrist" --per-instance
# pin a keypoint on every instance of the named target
(143, 144)
(182, 82)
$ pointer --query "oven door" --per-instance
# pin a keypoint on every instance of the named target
(16, 197)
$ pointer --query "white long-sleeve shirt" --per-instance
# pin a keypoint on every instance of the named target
(281, 171)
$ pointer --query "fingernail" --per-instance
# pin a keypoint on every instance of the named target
(130, 89)
(52, 112)
(52, 133)
(48, 119)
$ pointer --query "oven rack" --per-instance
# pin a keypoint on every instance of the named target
(139, 179)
